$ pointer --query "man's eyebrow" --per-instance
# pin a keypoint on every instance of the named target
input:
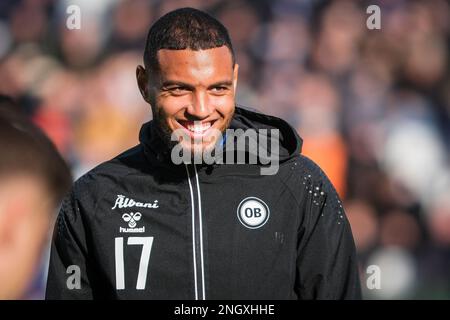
(225, 83)
(167, 83)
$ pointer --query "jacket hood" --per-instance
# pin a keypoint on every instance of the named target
(290, 143)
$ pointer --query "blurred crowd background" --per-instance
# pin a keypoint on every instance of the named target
(373, 106)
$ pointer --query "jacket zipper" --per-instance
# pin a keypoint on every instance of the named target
(197, 234)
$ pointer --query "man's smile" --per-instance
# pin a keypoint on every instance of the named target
(197, 128)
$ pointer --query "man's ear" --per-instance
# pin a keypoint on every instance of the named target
(142, 81)
(235, 76)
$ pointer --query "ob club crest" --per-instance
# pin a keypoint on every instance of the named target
(253, 213)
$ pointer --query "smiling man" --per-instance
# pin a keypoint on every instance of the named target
(189, 80)
(143, 226)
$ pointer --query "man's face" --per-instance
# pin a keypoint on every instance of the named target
(25, 217)
(194, 92)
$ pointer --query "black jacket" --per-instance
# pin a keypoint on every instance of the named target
(140, 227)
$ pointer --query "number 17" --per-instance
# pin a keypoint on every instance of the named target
(146, 243)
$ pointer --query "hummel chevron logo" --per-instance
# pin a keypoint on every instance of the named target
(122, 202)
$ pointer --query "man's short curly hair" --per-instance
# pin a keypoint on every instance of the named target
(185, 28)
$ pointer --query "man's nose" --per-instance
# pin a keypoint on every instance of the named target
(200, 107)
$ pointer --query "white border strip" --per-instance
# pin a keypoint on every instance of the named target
(193, 232)
(201, 233)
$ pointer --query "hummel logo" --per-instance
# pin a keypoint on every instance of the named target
(131, 218)
(122, 202)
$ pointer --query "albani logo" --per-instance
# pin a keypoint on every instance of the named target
(123, 202)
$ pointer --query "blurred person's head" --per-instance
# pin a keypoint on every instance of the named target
(190, 76)
(28, 21)
(426, 61)
(61, 90)
(242, 22)
(318, 102)
(81, 47)
(33, 65)
(276, 42)
(33, 179)
(340, 32)
(399, 228)
(278, 87)
(380, 56)
(241, 19)
(427, 17)
(116, 83)
(131, 18)
(364, 223)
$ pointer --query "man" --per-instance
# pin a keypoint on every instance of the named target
(33, 179)
(145, 226)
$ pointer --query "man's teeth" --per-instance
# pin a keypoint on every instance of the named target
(199, 127)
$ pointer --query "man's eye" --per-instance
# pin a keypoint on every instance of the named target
(218, 89)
